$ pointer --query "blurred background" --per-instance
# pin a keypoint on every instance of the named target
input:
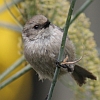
(28, 87)
(93, 14)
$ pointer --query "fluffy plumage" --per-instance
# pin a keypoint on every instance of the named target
(42, 42)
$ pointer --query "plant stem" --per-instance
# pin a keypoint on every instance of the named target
(14, 17)
(81, 9)
(53, 15)
(15, 76)
(10, 4)
(11, 68)
(60, 57)
(10, 26)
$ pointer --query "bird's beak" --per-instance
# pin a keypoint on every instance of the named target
(46, 24)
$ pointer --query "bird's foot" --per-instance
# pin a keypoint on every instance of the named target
(67, 64)
(64, 64)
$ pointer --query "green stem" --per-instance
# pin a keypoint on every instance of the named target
(10, 4)
(11, 68)
(10, 26)
(81, 9)
(60, 57)
(15, 76)
(53, 15)
(34, 7)
(22, 15)
(13, 15)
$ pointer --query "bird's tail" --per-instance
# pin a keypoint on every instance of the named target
(80, 74)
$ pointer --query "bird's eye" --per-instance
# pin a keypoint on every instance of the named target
(36, 26)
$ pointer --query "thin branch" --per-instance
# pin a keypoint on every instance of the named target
(15, 76)
(53, 14)
(19, 10)
(11, 68)
(10, 26)
(81, 9)
(10, 4)
(13, 15)
(60, 57)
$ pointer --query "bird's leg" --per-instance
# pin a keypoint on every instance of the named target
(65, 61)
(66, 64)
(63, 64)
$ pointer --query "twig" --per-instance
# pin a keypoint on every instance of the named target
(15, 76)
(53, 14)
(19, 10)
(10, 26)
(60, 57)
(11, 68)
(10, 4)
(81, 9)
(13, 15)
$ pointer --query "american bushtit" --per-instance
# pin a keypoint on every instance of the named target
(42, 42)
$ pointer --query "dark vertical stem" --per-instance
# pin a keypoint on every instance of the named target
(60, 57)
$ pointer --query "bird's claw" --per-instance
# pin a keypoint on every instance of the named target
(58, 64)
(64, 64)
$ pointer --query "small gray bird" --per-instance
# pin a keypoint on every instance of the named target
(42, 41)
